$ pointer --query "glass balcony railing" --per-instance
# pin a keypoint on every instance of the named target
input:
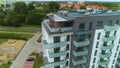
(80, 53)
(62, 53)
(118, 63)
(51, 65)
(111, 38)
(103, 62)
(107, 47)
(62, 29)
(111, 28)
(83, 43)
(54, 45)
(77, 62)
(105, 55)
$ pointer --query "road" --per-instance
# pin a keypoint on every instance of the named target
(31, 45)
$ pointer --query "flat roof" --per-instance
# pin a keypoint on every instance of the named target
(57, 18)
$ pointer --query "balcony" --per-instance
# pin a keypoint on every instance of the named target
(62, 53)
(83, 43)
(105, 55)
(111, 28)
(111, 38)
(77, 62)
(106, 47)
(80, 53)
(118, 63)
(55, 30)
(54, 45)
(104, 62)
(55, 64)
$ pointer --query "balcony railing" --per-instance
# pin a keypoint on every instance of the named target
(62, 29)
(80, 53)
(103, 62)
(54, 45)
(111, 38)
(106, 47)
(51, 65)
(105, 55)
(111, 28)
(118, 63)
(83, 43)
(62, 53)
(77, 62)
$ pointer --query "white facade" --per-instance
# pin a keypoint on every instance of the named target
(97, 47)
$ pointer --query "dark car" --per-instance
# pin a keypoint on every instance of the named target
(30, 59)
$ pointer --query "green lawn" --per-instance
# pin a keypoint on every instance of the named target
(38, 62)
(2, 40)
(6, 65)
(32, 26)
(16, 36)
(9, 31)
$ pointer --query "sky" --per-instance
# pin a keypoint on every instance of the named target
(82, 0)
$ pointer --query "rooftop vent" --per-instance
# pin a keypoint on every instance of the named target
(63, 13)
(109, 11)
(50, 15)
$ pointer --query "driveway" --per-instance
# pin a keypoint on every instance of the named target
(31, 45)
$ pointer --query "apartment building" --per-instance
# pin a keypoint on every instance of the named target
(82, 39)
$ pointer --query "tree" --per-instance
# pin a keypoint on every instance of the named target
(16, 21)
(2, 16)
(82, 7)
(33, 18)
(53, 6)
(20, 7)
(30, 6)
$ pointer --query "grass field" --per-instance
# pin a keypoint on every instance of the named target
(6, 65)
(15, 36)
(2, 40)
(38, 62)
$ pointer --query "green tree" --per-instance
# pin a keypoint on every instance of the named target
(53, 6)
(20, 7)
(33, 18)
(82, 7)
(16, 21)
(30, 6)
(2, 16)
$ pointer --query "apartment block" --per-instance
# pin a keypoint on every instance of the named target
(82, 39)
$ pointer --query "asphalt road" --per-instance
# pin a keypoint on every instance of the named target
(31, 45)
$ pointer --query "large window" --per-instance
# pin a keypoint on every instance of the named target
(98, 36)
(56, 50)
(107, 34)
(56, 39)
(99, 23)
(109, 22)
(56, 59)
(90, 25)
(68, 37)
(82, 26)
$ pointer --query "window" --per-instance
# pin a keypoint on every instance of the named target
(117, 48)
(67, 63)
(115, 32)
(97, 44)
(113, 61)
(67, 56)
(57, 67)
(82, 26)
(95, 52)
(99, 23)
(115, 54)
(68, 37)
(107, 34)
(67, 47)
(94, 60)
(90, 25)
(112, 42)
(117, 22)
(93, 66)
(98, 35)
(119, 41)
(56, 59)
(109, 22)
(57, 39)
(56, 50)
